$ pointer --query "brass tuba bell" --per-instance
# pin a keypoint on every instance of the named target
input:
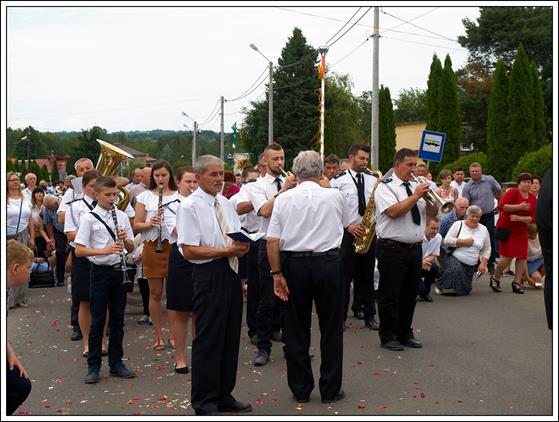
(109, 160)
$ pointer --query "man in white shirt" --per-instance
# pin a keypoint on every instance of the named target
(203, 219)
(431, 248)
(307, 226)
(458, 182)
(31, 183)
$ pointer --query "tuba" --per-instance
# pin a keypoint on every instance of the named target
(362, 244)
(109, 160)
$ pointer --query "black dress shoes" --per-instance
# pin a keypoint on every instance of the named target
(372, 324)
(426, 298)
(121, 371)
(359, 314)
(301, 400)
(393, 345)
(236, 407)
(337, 397)
(183, 370)
(92, 375)
(76, 335)
(412, 342)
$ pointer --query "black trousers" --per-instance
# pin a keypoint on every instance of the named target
(252, 290)
(400, 272)
(320, 279)
(144, 292)
(488, 220)
(61, 243)
(268, 314)
(218, 305)
(361, 269)
(17, 389)
(428, 278)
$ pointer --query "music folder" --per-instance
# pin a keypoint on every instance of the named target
(245, 237)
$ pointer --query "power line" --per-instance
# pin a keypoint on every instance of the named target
(355, 23)
(302, 60)
(421, 43)
(211, 113)
(411, 20)
(250, 87)
(352, 51)
(343, 26)
(250, 92)
(417, 26)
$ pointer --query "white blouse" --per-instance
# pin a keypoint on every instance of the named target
(12, 214)
(469, 255)
(151, 201)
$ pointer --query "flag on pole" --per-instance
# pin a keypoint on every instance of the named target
(322, 67)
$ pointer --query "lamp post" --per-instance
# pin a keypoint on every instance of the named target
(193, 137)
(270, 96)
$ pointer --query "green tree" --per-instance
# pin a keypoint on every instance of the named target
(540, 135)
(449, 112)
(387, 130)
(433, 84)
(535, 162)
(411, 105)
(521, 111)
(498, 144)
(87, 145)
(254, 130)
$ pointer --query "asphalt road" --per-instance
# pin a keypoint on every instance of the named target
(484, 354)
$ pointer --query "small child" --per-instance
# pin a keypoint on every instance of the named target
(102, 241)
(18, 385)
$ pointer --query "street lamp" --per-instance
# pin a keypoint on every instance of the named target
(193, 136)
(270, 96)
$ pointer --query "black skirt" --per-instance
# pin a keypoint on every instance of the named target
(81, 278)
(179, 282)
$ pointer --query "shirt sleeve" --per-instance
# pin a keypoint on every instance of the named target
(69, 223)
(345, 209)
(68, 196)
(84, 232)
(258, 198)
(466, 191)
(495, 185)
(274, 228)
(188, 233)
(130, 211)
(384, 198)
(437, 245)
(452, 235)
(128, 227)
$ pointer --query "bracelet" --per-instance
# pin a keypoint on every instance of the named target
(275, 272)
(276, 195)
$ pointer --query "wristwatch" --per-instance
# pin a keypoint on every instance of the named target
(275, 272)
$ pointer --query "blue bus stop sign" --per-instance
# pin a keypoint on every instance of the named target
(432, 146)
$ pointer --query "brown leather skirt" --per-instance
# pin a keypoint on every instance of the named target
(155, 264)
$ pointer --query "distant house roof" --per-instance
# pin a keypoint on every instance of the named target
(134, 152)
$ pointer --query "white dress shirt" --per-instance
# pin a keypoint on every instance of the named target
(74, 217)
(171, 220)
(264, 188)
(12, 214)
(346, 182)
(69, 196)
(401, 229)
(309, 218)
(197, 223)
(431, 247)
(469, 255)
(151, 202)
(250, 221)
(93, 234)
(27, 193)
(460, 186)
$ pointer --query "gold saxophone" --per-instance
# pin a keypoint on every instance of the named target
(362, 244)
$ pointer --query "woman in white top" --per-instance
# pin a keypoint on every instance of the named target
(445, 191)
(151, 226)
(19, 226)
(473, 249)
(43, 243)
(535, 262)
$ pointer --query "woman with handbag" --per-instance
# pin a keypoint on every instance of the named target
(517, 208)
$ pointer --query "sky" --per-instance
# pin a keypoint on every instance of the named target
(138, 68)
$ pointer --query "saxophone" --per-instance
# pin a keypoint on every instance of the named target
(362, 244)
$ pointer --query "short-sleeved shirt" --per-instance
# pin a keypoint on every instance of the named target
(346, 182)
(447, 220)
(93, 234)
(459, 187)
(13, 215)
(75, 213)
(263, 190)
(51, 217)
(197, 223)
(401, 229)
(482, 193)
(69, 197)
(250, 221)
(308, 218)
(432, 247)
(151, 203)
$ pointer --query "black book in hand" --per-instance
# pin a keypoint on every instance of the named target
(245, 237)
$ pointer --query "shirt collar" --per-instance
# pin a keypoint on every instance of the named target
(309, 184)
(101, 211)
(271, 179)
(205, 196)
(397, 179)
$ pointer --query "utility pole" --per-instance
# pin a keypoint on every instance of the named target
(271, 104)
(222, 152)
(374, 96)
(194, 143)
(322, 51)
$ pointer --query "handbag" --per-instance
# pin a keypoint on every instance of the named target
(502, 234)
(42, 278)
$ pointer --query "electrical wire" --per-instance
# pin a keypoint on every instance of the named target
(343, 26)
(248, 93)
(211, 113)
(417, 26)
(250, 87)
(352, 51)
(349, 29)
(422, 43)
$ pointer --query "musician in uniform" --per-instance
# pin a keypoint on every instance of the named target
(401, 216)
(357, 183)
(307, 226)
(203, 219)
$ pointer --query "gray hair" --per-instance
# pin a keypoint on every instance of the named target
(81, 160)
(473, 209)
(29, 174)
(203, 162)
(308, 165)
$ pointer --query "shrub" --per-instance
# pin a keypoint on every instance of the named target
(535, 162)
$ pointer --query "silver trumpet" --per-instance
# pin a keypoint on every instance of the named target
(431, 196)
(125, 280)
(285, 173)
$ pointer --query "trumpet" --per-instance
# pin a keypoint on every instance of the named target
(285, 173)
(431, 197)
(159, 247)
(125, 280)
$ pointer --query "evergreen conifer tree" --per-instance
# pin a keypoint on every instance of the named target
(387, 130)
(449, 112)
(433, 82)
(540, 131)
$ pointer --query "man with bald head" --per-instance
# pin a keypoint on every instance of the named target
(136, 189)
(55, 231)
(461, 204)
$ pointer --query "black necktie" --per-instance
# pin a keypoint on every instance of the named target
(414, 211)
(361, 193)
(278, 183)
(94, 203)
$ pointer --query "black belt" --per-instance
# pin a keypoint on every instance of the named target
(400, 244)
(307, 254)
(117, 267)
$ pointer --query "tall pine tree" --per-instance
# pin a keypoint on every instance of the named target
(498, 146)
(449, 112)
(540, 131)
(387, 130)
(435, 74)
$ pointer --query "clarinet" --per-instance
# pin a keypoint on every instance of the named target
(159, 248)
(125, 280)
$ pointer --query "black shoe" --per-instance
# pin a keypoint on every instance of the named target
(236, 407)
(412, 342)
(517, 288)
(301, 400)
(60, 284)
(183, 370)
(262, 358)
(359, 314)
(92, 375)
(426, 298)
(337, 397)
(393, 345)
(121, 371)
(277, 336)
(495, 287)
(372, 324)
(254, 340)
(76, 335)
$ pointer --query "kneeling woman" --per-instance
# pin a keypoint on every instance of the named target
(473, 249)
